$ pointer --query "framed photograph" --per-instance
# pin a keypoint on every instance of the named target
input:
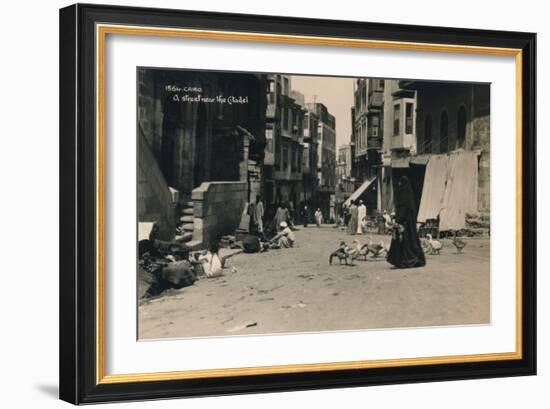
(257, 203)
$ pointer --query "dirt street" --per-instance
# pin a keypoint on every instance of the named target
(296, 290)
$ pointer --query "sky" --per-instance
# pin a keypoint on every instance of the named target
(336, 93)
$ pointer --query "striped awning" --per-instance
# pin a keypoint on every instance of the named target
(355, 195)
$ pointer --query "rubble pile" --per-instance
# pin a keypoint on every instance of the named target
(477, 224)
(163, 267)
(478, 220)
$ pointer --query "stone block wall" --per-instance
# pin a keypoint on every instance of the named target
(218, 207)
(155, 202)
(481, 128)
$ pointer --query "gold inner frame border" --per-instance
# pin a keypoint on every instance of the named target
(102, 30)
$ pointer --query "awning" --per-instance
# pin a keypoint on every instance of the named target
(355, 195)
(420, 159)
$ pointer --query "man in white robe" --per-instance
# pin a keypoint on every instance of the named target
(361, 216)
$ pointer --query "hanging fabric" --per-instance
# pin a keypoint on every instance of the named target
(461, 190)
(433, 190)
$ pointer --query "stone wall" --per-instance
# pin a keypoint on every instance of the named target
(195, 142)
(218, 207)
(475, 99)
(481, 129)
(154, 198)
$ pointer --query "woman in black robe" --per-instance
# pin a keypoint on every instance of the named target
(405, 249)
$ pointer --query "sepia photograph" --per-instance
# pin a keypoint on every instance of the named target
(274, 203)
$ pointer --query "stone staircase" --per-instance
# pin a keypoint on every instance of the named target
(186, 217)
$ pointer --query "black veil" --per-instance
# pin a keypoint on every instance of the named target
(405, 196)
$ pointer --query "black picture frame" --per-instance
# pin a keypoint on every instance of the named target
(78, 258)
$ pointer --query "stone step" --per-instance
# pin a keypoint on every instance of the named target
(187, 218)
(188, 227)
(188, 210)
(189, 204)
(185, 237)
(194, 245)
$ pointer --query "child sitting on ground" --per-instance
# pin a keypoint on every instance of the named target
(212, 264)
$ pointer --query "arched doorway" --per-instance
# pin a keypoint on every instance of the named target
(200, 159)
(461, 127)
(171, 124)
(444, 132)
(428, 135)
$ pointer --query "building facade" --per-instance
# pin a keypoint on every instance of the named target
(368, 114)
(345, 183)
(310, 159)
(326, 159)
(285, 145)
(399, 142)
(453, 118)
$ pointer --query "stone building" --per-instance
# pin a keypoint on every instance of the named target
(452, 132)
(310, 158)
(399, 139)
(203, 128)
(326, 158)
(343, 170)
(285, 145)
(367, 124)
(345, 183)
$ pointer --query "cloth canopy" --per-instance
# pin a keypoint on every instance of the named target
(450, 189)
(433, 190)
(360, 190)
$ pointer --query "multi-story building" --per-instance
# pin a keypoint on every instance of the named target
(453, 124)
(367, 123)
(399, 139)
(310, 158)
(343, 169)
(345, 183)
(326, 154)
(285, 139)
(403, 128)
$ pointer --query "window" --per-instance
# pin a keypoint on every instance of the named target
(289, 120)
(461, 127)
(374, 126)
(285, 86)
(409, 118)
(285, 159)
(396, 114)
(444, 132)
(269, 139)
(428, 135)
(284, 118)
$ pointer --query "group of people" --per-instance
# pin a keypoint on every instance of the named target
(281, 227)
(355, 217)
(405, 249)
